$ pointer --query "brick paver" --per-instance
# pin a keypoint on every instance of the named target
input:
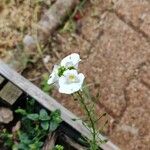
(135, 120)
(136, 12)
(115, 59)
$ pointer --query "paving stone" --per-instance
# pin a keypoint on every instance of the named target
(10, 93)
(144, 74)
(138, 95)
(92, 15)
(113, 59)
(137, 12)
(138, 119)
(134, 124)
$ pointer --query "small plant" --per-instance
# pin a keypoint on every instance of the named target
(66, 78)
(44, 86)
(70, 25)
(58, 147)
(35, 125)
(8, 138)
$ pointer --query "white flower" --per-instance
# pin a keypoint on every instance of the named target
(65, 76)
(71, 61)
(53, 79)
(70, 82)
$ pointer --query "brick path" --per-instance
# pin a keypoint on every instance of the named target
(113, 38)
(114, 41)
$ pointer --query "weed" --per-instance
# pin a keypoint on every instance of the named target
(70, 25)
(44, 86)
(35, 125)
(58, 147)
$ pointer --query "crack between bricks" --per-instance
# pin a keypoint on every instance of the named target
(92, 43)
(145, 84)
(131, 25)
(127, 99)
(117, 119)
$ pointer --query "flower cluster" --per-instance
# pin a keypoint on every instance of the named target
(65, 76)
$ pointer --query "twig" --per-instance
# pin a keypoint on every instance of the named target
(50, 142)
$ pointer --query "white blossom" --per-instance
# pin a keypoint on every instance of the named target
(65, 76)
(53, 78)
(70, 82)
(71, 60)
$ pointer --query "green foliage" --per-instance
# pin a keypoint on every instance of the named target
(33, 117)
(71, 25)
(61, 70)
(35, 125)
(55, 120)
(8, 137)
(44, 86)
(58, 147)
(43, 116)
(21, 111)
(87, 103)
(71, 68)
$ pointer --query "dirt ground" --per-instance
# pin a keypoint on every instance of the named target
(113, 39)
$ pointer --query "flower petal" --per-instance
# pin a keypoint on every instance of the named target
(69, 88)
(68, 72)
(54, 75)
(51, 78)
(71, 60)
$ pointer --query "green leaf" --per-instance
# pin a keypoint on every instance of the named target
(61, 70)
(24, 138)
(71, 68)
(44, 115)
(30, 106)
(15, 147)
(55, 120)
(45, 125)
(22, 146)
(53, 126)
(58, 147)
(70, 26)
(44, 86)
(36, 146)
(56, 116)
(33, 117)
(21, 111)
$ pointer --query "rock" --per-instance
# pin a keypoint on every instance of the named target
(28, 40)
(6, 115)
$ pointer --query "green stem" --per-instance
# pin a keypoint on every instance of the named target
(93, 145)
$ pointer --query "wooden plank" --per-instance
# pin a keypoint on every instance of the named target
(1, 79)
(72, 143)
(10, 93)
(50, 103)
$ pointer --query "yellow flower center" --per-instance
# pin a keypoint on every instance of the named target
(72, 77)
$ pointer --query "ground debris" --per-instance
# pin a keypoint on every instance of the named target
(6, 115)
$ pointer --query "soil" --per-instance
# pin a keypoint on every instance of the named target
(18, 18)
(113, 39)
